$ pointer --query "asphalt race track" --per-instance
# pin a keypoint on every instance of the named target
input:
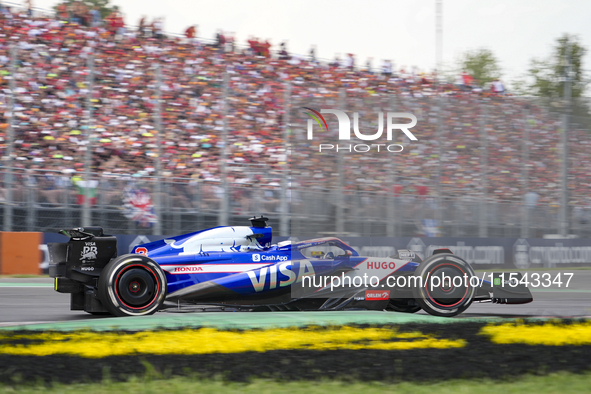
(31, 300)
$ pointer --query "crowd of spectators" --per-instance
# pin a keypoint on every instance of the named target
(456, 121)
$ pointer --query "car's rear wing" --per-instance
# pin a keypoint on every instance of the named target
(83, 256)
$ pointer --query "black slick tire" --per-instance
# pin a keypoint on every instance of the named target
(132, 285)
(446, 289)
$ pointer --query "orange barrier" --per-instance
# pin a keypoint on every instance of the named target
(19, 253)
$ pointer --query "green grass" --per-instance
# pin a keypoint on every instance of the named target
(23, 276)
(553, 383)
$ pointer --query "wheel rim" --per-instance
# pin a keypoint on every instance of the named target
(449, 293)
(136, 287)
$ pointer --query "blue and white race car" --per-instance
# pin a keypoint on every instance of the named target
(240, 268)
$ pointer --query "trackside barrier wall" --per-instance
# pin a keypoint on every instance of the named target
(482, 253)
(486, 253)
(19, 253)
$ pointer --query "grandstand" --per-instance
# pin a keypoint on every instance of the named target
(485, 164)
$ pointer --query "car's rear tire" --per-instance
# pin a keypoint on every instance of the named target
(132, 285)
(444, 297)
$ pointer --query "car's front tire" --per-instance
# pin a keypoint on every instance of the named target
(132, 285)
(446, 289)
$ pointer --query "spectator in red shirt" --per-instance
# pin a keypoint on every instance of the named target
(190, 32)
(62, 12)
(422, 190)
(265, 49)
(111, 22)
(253, 43)
(468, 80)
(220, 40)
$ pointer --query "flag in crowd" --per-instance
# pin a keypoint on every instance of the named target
(137, 206)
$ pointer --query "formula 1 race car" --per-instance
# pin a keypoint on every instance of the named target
(239, 268)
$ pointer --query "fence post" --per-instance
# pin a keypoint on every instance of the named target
(86, 213)
(31, 188)
(564, 217)
(102, 205)
(158, 159)
(390, 197)
(483, 222)
(68, 209)
(440, 112)
(284, 224)
(340, 217)
(8, 175)
(525, 176)
(223, 214)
